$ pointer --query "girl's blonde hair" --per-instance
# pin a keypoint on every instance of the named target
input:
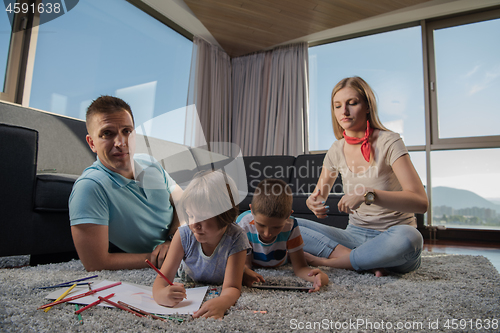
(211, 194)
(367, 94)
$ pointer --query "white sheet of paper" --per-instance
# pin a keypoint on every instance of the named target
(137, 295)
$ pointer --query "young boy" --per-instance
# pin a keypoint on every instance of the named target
(274, 234)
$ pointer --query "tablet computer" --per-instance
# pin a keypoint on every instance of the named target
(266, 286)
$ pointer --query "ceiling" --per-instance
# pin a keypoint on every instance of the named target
(246, 26)
(242, 27)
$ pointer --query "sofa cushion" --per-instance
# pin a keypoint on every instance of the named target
(306, 172)
(262, 167)
(52, 191)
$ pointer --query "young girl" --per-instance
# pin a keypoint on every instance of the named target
(212, 246)
(382, 191)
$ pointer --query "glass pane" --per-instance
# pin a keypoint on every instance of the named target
(110, 48)
(390, 62)
(468, 79)
(5, 32)
(418, 160)
(465, 187)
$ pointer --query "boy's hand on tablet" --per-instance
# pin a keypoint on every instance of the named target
(320, 279)
(250, 277)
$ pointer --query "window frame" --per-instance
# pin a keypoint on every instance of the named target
(16, 57)
(436, 142)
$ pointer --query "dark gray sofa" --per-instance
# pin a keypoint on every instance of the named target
(301, 173)
(42, 154)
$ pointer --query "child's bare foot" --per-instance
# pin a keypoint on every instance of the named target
(379, 272)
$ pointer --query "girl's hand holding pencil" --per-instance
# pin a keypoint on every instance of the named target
(174, 293)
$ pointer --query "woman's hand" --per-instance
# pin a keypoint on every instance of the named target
(316, 203)
(350, 202)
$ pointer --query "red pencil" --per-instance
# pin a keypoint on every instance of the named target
(141, 311)
(158, 271)
(93, 304)
(88, 293)
(120, 306)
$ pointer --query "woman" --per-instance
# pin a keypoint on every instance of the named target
(382, 191)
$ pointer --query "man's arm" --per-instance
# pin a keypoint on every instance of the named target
(175, 197)
(160, 252)
(92, 242)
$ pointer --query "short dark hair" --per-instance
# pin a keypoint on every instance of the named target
(272, 198)
(107, 104)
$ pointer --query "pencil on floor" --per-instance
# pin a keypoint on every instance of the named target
(72, 298)
(120, 306)
(62, 296)
(69, 282)
(93, 304)
(80, 319)
(141, 311)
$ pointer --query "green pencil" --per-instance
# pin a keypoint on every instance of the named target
(80, 319)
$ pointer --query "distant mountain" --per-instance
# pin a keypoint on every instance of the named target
(457, 199)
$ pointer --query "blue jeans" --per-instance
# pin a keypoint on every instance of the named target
(397, 249)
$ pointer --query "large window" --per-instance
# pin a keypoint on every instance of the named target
(11, 42)
(468, 79)
(109, 48)
(5, 33)
(390, 62)
(464, 80)
(465, 188)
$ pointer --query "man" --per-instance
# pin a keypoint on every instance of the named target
(122, 198)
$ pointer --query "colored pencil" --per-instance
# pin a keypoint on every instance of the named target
(65, 285)
(88, 293)
(120, 306)
(93, 304)
(158, 271)
(180, 320)
(62, 296)
(80, 319)
(69, 282)
(141, 311)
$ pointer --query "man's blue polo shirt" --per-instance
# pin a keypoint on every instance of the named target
(138, 212)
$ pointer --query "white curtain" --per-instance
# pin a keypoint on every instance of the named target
(259, 102)
(210, 91)
(270, 101)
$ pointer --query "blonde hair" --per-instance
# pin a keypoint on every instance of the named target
(211, 194)
(272, 198)
(367, 94)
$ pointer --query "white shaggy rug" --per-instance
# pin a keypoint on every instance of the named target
(449, 293)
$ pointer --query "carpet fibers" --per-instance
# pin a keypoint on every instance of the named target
(449, 293)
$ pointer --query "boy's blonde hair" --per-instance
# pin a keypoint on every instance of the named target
(272, 198)
(211, 194)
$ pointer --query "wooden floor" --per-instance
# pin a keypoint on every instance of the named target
(488, 250)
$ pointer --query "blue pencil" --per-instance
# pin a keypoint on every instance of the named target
(69, 282)
(65, 285)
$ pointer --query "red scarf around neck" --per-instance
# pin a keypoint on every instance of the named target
(365, 144)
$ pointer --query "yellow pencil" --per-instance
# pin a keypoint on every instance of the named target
(62, 296)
